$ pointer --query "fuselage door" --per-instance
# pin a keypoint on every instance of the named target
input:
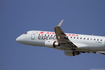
(33, 35)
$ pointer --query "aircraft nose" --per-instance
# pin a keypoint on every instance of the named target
(19, 39)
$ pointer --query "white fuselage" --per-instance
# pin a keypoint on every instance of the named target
(85, 43)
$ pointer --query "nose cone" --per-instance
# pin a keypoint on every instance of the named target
(20, 39)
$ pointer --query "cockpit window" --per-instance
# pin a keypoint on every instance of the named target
(25, 33)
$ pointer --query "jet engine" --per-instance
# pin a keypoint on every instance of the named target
(71, 53)
(52, 43)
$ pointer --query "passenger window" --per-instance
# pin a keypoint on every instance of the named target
(87, 38)
(77, 37)
(97, 39)
(101, 39)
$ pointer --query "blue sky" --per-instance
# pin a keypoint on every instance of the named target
(20, 16)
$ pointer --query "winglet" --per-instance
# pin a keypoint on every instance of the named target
(60, 23)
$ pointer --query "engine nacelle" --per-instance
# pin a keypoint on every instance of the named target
(71, 53)
(51, 43)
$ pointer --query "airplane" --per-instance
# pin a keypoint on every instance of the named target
(71, 44)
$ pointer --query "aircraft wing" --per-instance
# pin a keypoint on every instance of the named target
(62, 38)
(102, 52)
